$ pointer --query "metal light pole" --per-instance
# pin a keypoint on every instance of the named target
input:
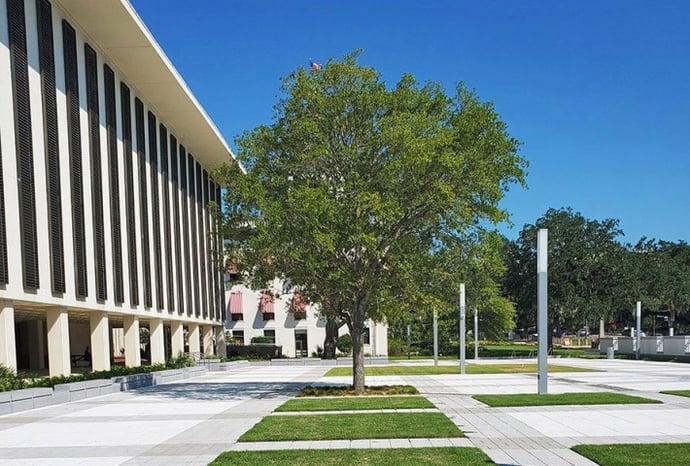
(435, 338)
(476, 335)
(462, 328)
(542, 308)
(638, 327)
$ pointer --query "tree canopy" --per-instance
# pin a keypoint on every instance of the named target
(355, 189)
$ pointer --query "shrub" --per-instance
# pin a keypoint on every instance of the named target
(9, 380)
(344, 344)
(256, 340)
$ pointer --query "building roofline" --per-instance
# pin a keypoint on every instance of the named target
(114, 27)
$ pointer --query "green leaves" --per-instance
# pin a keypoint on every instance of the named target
(354, 186)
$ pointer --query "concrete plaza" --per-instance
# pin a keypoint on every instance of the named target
(192, 422)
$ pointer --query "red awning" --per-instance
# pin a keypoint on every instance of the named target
(266, 303)
(298, 303)
(235, 303)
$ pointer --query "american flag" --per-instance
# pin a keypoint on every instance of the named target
(315, 66)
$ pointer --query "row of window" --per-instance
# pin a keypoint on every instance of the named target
(237, 337)
(175, 183)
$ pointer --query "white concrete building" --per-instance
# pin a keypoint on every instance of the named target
(105, 158)
(281, 315)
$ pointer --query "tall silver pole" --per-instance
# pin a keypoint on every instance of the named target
(638, 328)
(542, 306)
(476, 335)
(435, 338)
(462, 328)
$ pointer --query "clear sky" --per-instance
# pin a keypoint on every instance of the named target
(598, 91)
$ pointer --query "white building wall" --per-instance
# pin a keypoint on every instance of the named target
(285, 325)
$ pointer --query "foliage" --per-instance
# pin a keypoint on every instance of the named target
(356, 188)
(511, 368)
(430, 456)
(352, 426)
(344, 344)
(631, 454)
(355, 403)
(559, 399)
(585, 269)
(349, 390)
(261, 339)
(10, 381)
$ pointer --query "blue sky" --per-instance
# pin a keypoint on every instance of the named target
(597, 91)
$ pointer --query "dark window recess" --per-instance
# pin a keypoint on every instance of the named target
(213, 264)
(114, 179)
(163, 134)
(155, 210)
(174, 171)
(46, 59)
(126, 112)
(208, 290)
(270, 334)
(24, 147)
(4, 272)
(194, 240)
(235, 317)
(69, 47)
(200, 189)
(366, 336)
(219, 255)
(143, 201)
(185, 230)
(96, 174)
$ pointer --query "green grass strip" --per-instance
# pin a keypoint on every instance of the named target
(352, 426)
(440, 370)
(433, 456)
(685, 393)
(637, 454)
(355, 403)
(589, 398)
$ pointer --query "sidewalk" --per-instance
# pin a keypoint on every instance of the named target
(192, 422)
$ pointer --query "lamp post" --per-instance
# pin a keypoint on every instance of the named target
(542, 300)
(461, 305)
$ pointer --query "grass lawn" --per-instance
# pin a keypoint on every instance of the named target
(436, 456)
(352, 426)
(438, 370)
(355, 403)
(590, 398)
(638, 454)
(685, 393)
(348, 390)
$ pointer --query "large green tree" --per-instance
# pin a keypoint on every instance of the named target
(354, 186)
(587, 280)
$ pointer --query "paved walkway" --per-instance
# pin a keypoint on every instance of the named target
(192, 422)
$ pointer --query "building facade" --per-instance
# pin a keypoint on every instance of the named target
(105, 188)
(279, 314)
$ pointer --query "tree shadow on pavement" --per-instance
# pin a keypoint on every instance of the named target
(224, 391)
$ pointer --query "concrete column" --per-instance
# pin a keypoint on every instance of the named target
(8, 349)
(177, 338)
(59, 361)
(208, 340)
(100, 341)
(132, 345)
(221, 349)
(156, 341)
(193, 337)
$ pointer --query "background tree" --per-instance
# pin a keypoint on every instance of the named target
(354, 186)
(586, 270)
(661, 271)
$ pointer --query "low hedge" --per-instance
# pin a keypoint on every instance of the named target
(11, 381)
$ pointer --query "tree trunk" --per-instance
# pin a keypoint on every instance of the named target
(331, 338)
(357, 358)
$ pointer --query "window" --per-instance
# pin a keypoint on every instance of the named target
(366, 336)
(266, 306)
(238, 337)
(270, 334)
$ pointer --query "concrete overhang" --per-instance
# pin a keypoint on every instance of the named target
(114, 27)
